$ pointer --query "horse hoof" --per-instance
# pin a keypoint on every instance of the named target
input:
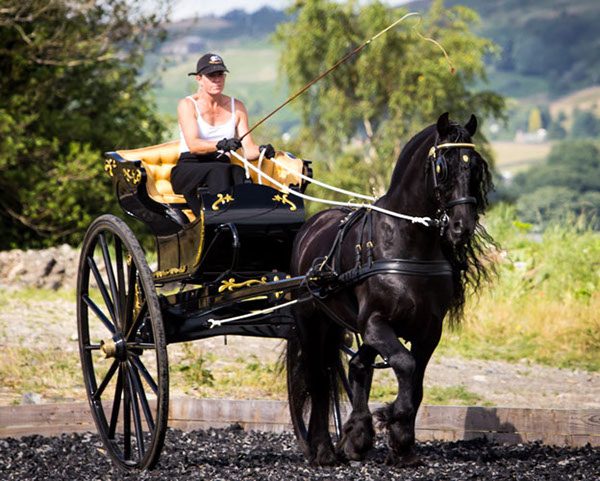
(358, 437)
(325, 457)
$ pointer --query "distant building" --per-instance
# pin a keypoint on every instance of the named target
(537, 137)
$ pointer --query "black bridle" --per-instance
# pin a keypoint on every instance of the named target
(439, 167)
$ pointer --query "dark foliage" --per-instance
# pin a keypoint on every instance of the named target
(69, 74)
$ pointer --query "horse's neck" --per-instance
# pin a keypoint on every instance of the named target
(411, 195)
(410, 192)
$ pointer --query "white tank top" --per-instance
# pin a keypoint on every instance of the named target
(208, 131)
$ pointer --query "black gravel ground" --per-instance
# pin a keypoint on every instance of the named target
(233, 454)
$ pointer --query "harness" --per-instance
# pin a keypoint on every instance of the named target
(323, 278)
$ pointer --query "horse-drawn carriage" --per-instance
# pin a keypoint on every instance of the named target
(249, 265)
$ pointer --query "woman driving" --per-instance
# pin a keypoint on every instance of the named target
(211, 124)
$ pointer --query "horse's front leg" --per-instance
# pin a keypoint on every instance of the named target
(358, 433)
(398, 417)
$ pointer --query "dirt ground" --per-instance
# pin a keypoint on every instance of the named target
(52, 323)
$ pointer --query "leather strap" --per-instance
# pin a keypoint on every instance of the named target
(408, 267)
(461, 200)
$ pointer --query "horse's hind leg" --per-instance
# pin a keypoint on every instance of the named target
(358, 433)
(397, 417)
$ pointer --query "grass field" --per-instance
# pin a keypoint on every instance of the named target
(544, 305)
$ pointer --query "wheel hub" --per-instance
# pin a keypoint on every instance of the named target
(114, 347)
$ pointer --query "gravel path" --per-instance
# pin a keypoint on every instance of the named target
(233, 454)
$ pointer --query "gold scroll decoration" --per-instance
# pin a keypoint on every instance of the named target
(230, 284)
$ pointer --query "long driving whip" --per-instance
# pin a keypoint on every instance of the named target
(331, 69)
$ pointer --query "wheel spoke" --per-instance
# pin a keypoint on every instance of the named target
(109, 375)
(111, 277)
(337, 415)
(120, 280)
(345, 382)
(140, 345)
(137, 420)
(137, 383)
(126, 417)
(102, 287)
(131, 280)
(114, 417)
(137, 362)
(92, 305)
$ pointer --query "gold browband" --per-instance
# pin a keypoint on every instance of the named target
(447, 145)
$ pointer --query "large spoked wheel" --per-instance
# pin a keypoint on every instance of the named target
(299, 400)
(122, 344)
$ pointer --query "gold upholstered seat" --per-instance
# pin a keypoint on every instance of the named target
(159, 160)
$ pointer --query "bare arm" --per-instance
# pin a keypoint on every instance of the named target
(250, 147)
(186, 115)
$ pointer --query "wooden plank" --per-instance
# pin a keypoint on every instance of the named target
(230, 411)
(510, 420)
(447, 423)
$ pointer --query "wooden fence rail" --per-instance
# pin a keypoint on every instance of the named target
(562, 427)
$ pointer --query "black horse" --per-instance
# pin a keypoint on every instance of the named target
(395, 279)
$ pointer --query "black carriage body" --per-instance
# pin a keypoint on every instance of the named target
(249, 228)
(230, 260)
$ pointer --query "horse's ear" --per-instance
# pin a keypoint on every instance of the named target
(443, 125)
(472, 125)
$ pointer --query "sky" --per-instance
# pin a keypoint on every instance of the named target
(190, 8)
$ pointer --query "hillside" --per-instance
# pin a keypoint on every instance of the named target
(548, 51)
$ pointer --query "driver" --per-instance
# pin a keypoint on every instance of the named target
(210, 125)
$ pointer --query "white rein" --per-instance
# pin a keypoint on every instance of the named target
(426, 221)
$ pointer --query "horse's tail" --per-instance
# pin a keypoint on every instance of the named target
(297, 388)
(313, 357)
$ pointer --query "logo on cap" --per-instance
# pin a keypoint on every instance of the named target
(215, 59)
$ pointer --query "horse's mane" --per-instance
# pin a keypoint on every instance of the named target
(408, 151)
(471, 263)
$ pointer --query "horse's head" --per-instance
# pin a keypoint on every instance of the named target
(461, 178)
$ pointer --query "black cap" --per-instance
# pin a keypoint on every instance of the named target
(209, 63)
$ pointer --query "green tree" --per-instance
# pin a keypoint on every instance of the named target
(566, 186)
(575, 154)
(585, 124)
(355, 120)
(556, 129)
(71, 89)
